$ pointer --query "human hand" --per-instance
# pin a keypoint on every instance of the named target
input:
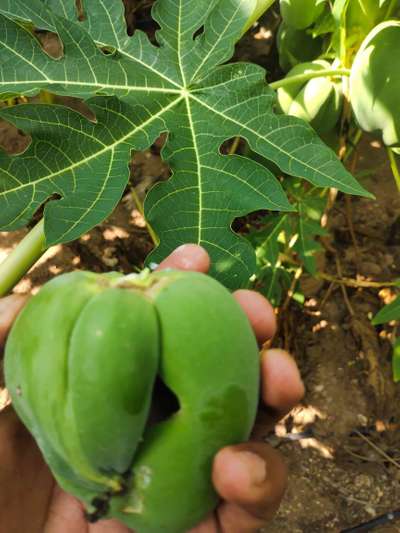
(250, 478)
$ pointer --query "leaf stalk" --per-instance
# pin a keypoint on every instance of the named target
(22, 258)
(325, 73)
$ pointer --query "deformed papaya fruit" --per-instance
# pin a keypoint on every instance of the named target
(81, 362)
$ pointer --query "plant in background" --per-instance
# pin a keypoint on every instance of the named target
(136, 91)
(300, 14)
(318, 101)
(391, 312)
(296, 46)
(375, 83)
(358, 62)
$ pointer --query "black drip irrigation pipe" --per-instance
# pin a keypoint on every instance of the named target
(382, 520)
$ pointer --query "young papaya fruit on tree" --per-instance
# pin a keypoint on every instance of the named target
(318, 101)
(296, 46)
(81, 362)
(375, 83)
(361, 17)
(300, 14)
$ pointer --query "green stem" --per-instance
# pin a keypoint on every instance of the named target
(394, 167)
(22, 258)
(352, 145)
(325, 73)
(140, 208)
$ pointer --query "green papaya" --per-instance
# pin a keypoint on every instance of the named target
(375, 83)
(300, 14)
(318, 101)
(296, 46)
(361, 17)
(81, 362)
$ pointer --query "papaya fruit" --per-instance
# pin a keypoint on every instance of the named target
(361, 17)
(375, 83)
(300, 14)
(317, 101)
(81, 364)
(296, 46)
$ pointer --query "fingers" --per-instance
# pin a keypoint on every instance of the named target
(25, 480)
(187, 257)
(259, 312)
(66, 515)
(251, 478)
(281, 385)
(9, 309)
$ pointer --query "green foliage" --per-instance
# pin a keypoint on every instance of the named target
(260, 8)
(300, 14)
(387, 314)
(396, 360)
(296, 46)
(286, 243)
(375, 83)
(183, 87)
(318, 101)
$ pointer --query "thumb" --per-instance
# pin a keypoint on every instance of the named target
(251, 479)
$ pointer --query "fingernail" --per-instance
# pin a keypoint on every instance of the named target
(255, 466)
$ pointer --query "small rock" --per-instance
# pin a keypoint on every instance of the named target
(362, 480)
(362, 419)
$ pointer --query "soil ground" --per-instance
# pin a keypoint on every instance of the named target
(342, 443)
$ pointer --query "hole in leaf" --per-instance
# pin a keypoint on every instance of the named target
(164, 403)
(236, 145)
(138, 17)
(148, 168)
(50, 42)
(80, 11)
(198, 32)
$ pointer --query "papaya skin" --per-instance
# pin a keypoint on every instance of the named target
(107, 378)
(38, 357)
(318, 101)
(375, 84)
(209, 359)
(300, 14)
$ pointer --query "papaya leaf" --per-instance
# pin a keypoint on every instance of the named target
(388, 313)
(266, 241)
(183, 87)
(306, 245)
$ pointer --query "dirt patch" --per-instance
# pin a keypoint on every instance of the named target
(348, 469)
